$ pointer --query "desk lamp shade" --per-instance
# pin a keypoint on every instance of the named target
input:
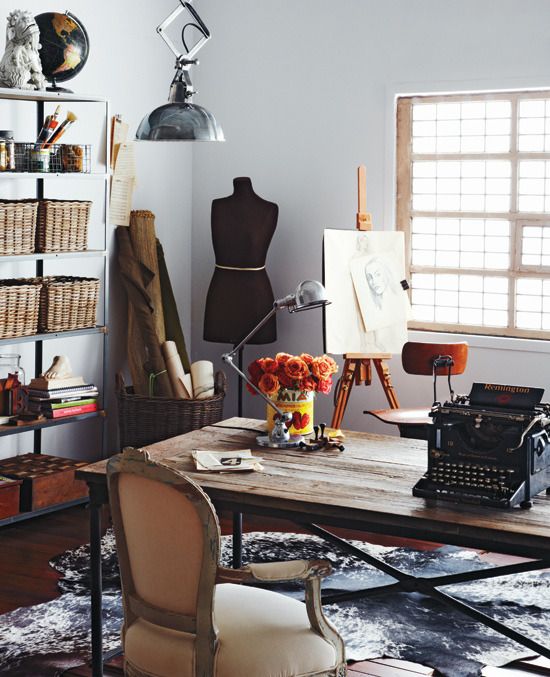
(308, 294)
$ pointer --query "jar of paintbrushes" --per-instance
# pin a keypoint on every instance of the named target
(46, 154)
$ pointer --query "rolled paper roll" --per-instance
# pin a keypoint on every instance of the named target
(188, 384)
(175, 370)
(202, 373)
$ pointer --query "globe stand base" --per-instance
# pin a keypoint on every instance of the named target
(55, 88)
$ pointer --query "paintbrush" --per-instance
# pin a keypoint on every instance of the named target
(67, 122)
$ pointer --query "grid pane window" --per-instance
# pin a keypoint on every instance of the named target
(473, 193)
(534, 125)
(461, 243)
(460, 299)
(467, 185)
(533, 304)
(535, 246)
(462, 127)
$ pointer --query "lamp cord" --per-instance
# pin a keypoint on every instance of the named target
(183, 33)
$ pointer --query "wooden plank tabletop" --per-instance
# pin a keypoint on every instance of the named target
(368, 486)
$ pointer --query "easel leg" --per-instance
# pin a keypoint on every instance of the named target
(344, 391)
(383, 372)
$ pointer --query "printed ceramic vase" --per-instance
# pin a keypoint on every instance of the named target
(300, 404)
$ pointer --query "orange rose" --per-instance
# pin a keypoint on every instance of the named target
(308, 384)
(307, 358)
(284, 380)
(325, 385)
(321, 367)
(282, 358)
(268, 364)
(255, 370)
(333, 365)
(296, 368)
(269, 384)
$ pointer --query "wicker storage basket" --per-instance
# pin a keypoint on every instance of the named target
(68, 303)
(19, 303)
(17, 226)
(63, 225)
(145, 420)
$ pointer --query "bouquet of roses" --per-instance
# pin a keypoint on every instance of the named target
(296, 372)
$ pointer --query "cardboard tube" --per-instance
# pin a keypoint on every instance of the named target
(175, 370)
(202, 373)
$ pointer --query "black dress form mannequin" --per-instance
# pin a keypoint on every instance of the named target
(240, 293)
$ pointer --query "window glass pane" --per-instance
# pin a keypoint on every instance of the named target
(535, 245)
(424, 111)
(472, 186)
(462, 127)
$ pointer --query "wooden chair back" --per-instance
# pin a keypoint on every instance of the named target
(418, 358)
(168, 542)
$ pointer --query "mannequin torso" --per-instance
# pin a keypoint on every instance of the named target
(240, 293)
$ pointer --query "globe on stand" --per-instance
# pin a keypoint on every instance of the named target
(64, 47)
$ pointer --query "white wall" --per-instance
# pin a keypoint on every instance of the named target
(132, 67)
(304, 91)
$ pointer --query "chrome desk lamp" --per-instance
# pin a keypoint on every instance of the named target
(308, 294)
(179, 119)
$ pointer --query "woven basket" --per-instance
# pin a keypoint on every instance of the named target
(68, 303)
(17, 226)
(19, 303)
(63, 225)
(146, 420)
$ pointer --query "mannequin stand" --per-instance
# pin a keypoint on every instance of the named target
(237, 540)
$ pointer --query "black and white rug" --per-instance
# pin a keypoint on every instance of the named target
(407, 626)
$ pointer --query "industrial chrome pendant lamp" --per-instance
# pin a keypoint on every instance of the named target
(180, 119)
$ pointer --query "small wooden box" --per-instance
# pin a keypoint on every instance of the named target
(9, 497)
(46, 480)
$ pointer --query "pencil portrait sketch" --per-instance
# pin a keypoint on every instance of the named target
(347, 328)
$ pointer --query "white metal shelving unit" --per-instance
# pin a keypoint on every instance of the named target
(40, 98)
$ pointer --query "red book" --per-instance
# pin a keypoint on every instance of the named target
(72, 411)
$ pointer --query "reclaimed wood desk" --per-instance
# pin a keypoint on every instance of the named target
(366, 487)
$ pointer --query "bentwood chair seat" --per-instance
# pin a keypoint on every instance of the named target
(418, 359)
(184, 614)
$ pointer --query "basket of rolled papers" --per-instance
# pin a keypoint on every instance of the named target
(144, 420)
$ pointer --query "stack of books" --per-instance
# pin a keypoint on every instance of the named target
(57, 398)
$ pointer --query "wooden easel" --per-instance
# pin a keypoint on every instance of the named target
(358, 366)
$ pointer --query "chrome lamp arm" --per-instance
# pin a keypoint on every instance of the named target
(309, 294)
(280, 433)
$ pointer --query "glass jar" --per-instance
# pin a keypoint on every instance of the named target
(7, 151)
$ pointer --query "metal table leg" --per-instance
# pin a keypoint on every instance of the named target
(428, 586)
(98, 497)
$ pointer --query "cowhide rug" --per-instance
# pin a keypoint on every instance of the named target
(407, 626)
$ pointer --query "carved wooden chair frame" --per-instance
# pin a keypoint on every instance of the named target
(138, 461)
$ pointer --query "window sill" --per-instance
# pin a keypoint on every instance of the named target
(520, 345)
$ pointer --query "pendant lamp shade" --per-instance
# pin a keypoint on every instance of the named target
(180, 121)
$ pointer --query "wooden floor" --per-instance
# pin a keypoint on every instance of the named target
(27, 579)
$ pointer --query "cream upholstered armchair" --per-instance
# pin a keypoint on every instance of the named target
(186, 616)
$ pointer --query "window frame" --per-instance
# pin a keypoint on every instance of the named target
(404, 212)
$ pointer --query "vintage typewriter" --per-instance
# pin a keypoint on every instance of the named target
(491, 447)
